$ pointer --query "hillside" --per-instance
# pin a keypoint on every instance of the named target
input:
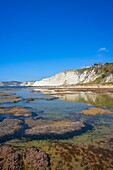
(10, 83)
(16, 83)
(98, 73)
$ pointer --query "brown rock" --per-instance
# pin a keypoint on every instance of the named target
(12, 158)
(60, 127)
(6, 94)
(17, 111)
(9, 126)
(31, 99)
(12, 99)
(35, 159)
(95, 111)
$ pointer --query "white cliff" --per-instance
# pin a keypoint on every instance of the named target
(68, 78)
(96, 74)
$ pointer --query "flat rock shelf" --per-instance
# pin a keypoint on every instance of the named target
(60, 127)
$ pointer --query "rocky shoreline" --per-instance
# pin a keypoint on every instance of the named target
(73, 89)
(96, 111)
(9, 127)
(16, 111)
(27, 143)
(15, 158)
(60, 127)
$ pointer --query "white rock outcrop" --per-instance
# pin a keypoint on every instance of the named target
(68, 78)
(109, 78)
(28, 83)
(98, 73)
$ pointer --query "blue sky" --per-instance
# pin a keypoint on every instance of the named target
(39, 38)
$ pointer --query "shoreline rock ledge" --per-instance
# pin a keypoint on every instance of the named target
(15, 158)
(60, 127)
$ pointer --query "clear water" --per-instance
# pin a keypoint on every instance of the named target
(67, 107)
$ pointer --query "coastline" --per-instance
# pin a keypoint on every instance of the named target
(75, 88)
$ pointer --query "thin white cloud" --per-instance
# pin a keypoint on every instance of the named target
(103, 49)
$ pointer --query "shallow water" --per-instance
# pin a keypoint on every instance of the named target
(67, 107)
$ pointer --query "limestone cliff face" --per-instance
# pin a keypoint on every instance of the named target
(67, 78)
(95, 74)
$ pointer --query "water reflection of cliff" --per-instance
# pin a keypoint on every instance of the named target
(90, 98)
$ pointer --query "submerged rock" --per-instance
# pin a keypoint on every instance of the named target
(22, 159)
(12, 99)
(48, 97)
(96, 111)
(9, 127)
(6, 94)
(8, 88)
(17, 111)
(60, 127)
(31, 99)
(52, 98)
(33, 123)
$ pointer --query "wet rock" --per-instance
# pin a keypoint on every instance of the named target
(4, 89)
(35, 159)
(9, 126)
(31, 99)
(52, 98)
(17, 111)
(60, 127)
(96, 111)
(9, 158)
(88, 157)
(12, 99)
(33, 123)
(12, 158)
(6, 94)
(45, 97)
